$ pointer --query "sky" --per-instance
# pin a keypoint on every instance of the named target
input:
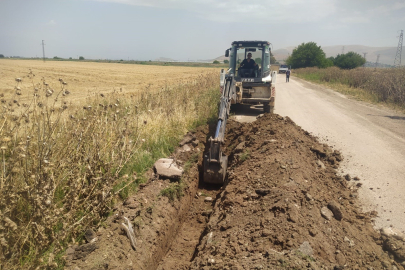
(189, 29)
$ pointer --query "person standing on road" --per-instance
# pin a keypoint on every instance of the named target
(287, 76)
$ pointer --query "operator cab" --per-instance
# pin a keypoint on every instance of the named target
(260, 51)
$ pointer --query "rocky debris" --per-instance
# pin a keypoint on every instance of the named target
(306, 249)
(392, 232)
(90, 236)
(187, 139)
(79, 252)
(240, 147)
(349, 241)
(167, 168)
(208, 199)
(262, 192)
(394, 242)
(185, 148)
(335, 208)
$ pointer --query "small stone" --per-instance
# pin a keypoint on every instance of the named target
(240, 147)
(208, 199)
(320, 164)
(348, 177)
(262, 192)
(195, 143)
(306, 249)
(351, 242)
(326, 213)
(340, 259)
(334, 207)
(90, 236)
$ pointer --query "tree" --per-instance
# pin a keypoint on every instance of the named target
(226, 61)
(272, 58)
(1, 56)
(349, 60)
(81, 58)
(258, 60)
(215, 62)
(308, 55)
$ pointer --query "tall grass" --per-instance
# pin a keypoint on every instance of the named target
(386, 85)
(63, 167)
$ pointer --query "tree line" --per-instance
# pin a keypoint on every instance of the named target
(311, 55)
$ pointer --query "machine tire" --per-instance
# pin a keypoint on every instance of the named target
(267, 108)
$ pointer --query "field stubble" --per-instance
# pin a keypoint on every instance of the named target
(63, 166)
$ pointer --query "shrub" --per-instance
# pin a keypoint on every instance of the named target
(349, 60)
(81, 58)
(308, 55)
(215, 62)
(226, 61)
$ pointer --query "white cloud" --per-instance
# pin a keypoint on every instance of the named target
(260, 11)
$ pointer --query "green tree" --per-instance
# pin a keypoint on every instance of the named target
(215, 62)
(349, 60)
(1, 56)
(272, 58)
(258, 60)
(308, 55)
(81, 58)
(226, 61)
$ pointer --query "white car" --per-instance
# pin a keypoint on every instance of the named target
(282, 69)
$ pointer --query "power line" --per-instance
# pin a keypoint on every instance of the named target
(397, 62)
(43, 50)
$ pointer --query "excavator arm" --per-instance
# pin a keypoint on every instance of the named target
(215, 161)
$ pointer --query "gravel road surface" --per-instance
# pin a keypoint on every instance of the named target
(371, 139)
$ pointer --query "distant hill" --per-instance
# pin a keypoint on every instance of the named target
(164, 59)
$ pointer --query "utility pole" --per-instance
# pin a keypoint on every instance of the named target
(376, 62)
(43, 50)
(365, 54)
(397, 62)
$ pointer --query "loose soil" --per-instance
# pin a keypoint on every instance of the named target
(283, 207)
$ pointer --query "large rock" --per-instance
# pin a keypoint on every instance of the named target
(167, 168)
(396, 247)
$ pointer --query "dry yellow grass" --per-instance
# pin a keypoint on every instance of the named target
(87, 78)
(62, 167)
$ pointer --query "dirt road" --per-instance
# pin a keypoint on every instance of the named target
(371, 139)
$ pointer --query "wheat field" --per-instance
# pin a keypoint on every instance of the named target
(87, 78)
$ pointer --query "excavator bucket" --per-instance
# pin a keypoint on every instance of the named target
(215, 170)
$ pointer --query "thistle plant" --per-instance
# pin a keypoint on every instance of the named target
(63, 166)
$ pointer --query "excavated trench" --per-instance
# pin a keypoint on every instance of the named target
(284, 207)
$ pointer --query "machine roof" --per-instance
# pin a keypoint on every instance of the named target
(250, 43)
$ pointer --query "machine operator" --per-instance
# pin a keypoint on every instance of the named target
(248, 63)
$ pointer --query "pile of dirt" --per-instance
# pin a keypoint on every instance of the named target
(284, 207)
